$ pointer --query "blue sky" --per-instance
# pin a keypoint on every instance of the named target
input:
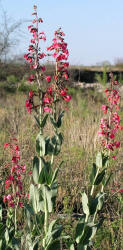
(93, 28)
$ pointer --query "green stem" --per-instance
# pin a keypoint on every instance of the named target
(15, 220)
(46, 216)
(102, 188)
(86, 219)
(55, 111)
(92, 189)
(41, 132)
(52, 158)
(94, 216)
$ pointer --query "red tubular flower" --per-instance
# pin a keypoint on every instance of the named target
(42, 36)
(114, 157)
(14, 159)
(50, 48)
(31, 48)
(30, 173)
(31, 94)
(67, 98)
(30, 59)
(63, 92)
(20, 204)
(31, 78)
(46, 100)
(66, 76)
(55, 55)
(23, 168)
(48, 78)
(9, 197)
(47, 109)
(56, 77)
(112, 136)
(16, 148)
(41, 56)
(110, 146)
(11, 204)
(34, 21)
(34, 66)
(29, 27)
(117, 144)
(4, 198)
(105, 108)
(116, 82)
(120, 191)
(32, 41)
(33, 30)
(43, 68)
(40, 20)
(7, 186)
(26, 56)
(29, 102)
(50, 91)
(6, 145)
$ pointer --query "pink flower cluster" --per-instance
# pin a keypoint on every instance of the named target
(34, 55)
(30, 102)
(15, 171)
(110, 124)
(60, 53)
(56, 90)
(52, 92)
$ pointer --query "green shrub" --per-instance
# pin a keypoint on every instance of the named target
(26, 88)
(7, 87)
(102, 79)
(12, 79)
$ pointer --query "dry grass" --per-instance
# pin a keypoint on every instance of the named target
(80, 126)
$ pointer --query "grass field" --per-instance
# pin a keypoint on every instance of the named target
(81, 142)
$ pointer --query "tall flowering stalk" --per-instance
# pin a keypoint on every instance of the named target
(44, 102)
(14, 195)
(57, 91)
(109, 126)
(14, 181)
(33, 57)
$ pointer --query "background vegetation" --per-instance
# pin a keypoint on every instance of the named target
(80, 128)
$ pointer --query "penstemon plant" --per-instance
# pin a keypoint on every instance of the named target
(38, 229)
(92, 203)
(14, 195)
(43, 190)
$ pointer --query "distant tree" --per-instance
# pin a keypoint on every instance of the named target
(119, 62)
(7, 30)
(103, 63)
